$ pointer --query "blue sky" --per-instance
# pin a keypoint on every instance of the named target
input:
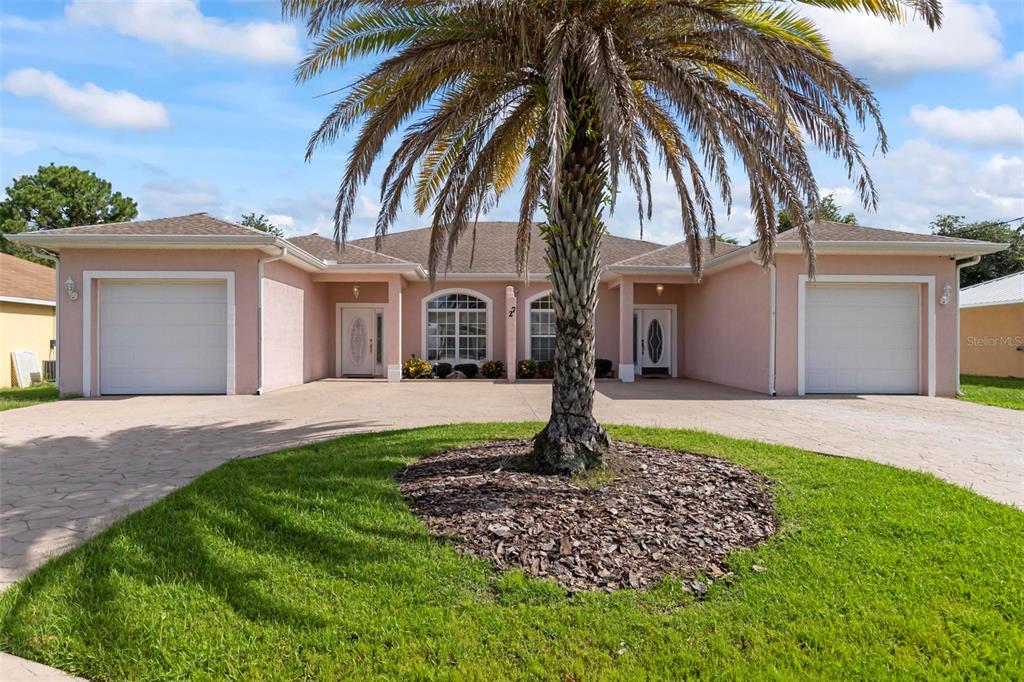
(190, 106)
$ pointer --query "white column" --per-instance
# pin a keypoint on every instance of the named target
(393, 328)
(626, 369)
(510, 333)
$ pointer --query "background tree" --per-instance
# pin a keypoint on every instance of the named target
(573, 96)
(261, 223)
(59, 196)
(994, 264)
(828, 209)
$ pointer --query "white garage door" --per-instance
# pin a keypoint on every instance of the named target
(162, 337)
(862, 338)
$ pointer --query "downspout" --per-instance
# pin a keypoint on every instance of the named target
(259, 312)
(40, 253)
(960, 266)
(773, 277)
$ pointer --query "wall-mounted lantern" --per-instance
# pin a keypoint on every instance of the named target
(947, 294)
(69, 286)
(660, 288)
(355, 291)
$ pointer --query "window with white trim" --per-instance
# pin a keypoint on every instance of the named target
(542, 328)
(456, 328)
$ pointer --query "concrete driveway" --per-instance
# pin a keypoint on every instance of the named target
(69, 469)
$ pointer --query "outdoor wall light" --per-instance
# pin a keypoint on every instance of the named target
(69, 286)
(947, 294)
(355, 290)
(660, 288)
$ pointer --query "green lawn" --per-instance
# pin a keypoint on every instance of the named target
(998, 391)
(11, 398)
(306, 564)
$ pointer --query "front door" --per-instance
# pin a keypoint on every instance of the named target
(654, 332)
(358, 341)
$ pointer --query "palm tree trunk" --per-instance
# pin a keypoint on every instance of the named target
(573, 441)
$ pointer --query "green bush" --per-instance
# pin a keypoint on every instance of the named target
(416, 368)
(469, 369)
(527, 369)
(493, 369)
(442, 369)
(602, 368)
(546, 369)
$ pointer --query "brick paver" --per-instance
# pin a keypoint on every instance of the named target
(69, 469)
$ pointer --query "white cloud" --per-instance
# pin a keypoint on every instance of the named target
(179, 24)
(285, 222)
(870, 46)
(919, 180)
(1011, 71)
(90, 103)
(180, 197)
(998, 126)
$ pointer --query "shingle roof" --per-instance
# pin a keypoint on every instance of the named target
(348, 253)
(677, 254)
(20, 278)
(494, 251)
(1001, 291)
(196, 224)
(828, 231)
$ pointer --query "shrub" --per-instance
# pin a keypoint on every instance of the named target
(546, 369)
(416, 368)
(602, 368)
(493, 369)
(442, 369)
(527, 369)
(469, 369)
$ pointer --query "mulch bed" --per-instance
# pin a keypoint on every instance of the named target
(662, 513)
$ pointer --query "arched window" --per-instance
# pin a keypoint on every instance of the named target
(542, 328)
(456, 327)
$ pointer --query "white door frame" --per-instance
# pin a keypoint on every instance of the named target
(88, 276)
(337, 335)
(865, 279)
(673, 309)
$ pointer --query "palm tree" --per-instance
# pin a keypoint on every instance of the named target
(571, 94)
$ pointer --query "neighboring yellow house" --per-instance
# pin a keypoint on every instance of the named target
(27, 307)
(992, 327)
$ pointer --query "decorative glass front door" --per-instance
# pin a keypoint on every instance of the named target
(360, 342)
(653, 328)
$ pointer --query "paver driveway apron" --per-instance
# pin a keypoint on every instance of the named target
(69, 469)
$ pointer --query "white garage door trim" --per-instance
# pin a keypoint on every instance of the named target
(868, 279)
(87, 285)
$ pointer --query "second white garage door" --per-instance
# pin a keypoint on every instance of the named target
(162, 337)
(862, 338)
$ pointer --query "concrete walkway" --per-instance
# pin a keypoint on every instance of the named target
(69, 469)
(14, 669)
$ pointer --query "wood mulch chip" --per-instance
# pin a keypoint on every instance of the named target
(662, 512)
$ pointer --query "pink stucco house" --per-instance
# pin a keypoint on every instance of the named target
(194, 304)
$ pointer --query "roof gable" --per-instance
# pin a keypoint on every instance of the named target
(828, 231)
(192, 225)
(490, 249)
(676, 255)
(344, 254)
